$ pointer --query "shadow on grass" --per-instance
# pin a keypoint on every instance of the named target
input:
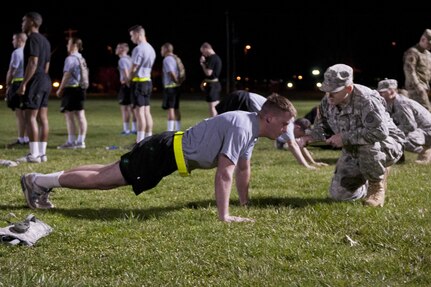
(330, 161)
(293, 202)
(157, 212)
(101, 213)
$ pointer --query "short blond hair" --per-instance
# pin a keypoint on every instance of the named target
(278, 103)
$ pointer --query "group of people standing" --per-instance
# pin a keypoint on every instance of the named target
(28, 87)
(136, 85)
(29, 66)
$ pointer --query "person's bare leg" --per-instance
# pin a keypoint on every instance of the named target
(82, 123)
(125, 116)
(141, 123)
(43, 124)
(32, 125)
(93, 177)
(20, 116)
(148, 121)
(212, 109)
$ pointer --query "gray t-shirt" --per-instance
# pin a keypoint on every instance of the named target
(17, 62)
(233, 134)
(143, 55)
(256, 102)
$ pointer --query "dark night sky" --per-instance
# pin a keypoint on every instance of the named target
(285, 40)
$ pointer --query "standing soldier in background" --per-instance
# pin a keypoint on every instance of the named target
(211, 66)
(73, 97)
(124, 66)
(369, 139)
(14, 77)
(171, 87)
(410, 117)
(143, 57)
(417, 70)
(35, 87)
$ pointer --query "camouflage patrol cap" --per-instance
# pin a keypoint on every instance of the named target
(336, 78)
(386, 84)
(427, 34)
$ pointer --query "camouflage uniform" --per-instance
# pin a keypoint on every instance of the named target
(417, 72)
(371, 141)
(409, 116)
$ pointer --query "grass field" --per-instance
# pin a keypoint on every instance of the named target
(170, 235)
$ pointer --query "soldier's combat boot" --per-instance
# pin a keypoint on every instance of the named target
(424, 157)
(377, 190)
(375, 193)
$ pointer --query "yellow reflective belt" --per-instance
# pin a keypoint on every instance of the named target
(211, 80)
(179, 156)
(171, 86)
(17, 80)
(137, 79)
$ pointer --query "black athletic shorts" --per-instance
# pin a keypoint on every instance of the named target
(124, 97)
(171, 98)
(13, 99)
(212, 91)
(149, 161)
(141, 93)
(73, 99)
(37, 93)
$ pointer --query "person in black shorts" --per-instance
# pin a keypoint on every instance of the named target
(171, 87)
(224, 142)
(14, 77)
(124, 94)
(73, 97)
(211, 65)
(35, 88)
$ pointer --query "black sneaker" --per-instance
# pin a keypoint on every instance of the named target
(17, 144)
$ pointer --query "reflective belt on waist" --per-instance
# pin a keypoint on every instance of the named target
(72, 86)
(211, 80)
(14, 80)
(137, 79)
(179, 156)
(171, 85)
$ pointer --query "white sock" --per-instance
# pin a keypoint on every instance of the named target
(81, 138)
(148, 134)
(49, 180)
(21, 139)
(34, 148)
(171, 126)
(133, 126)
(26, 139)
(126, 127)
(42, 148)
(140, 136)
(177, 125)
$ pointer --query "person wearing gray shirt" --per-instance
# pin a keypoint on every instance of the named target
(14, 77)
(224, 142)
(247, 101)
(141, 85)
